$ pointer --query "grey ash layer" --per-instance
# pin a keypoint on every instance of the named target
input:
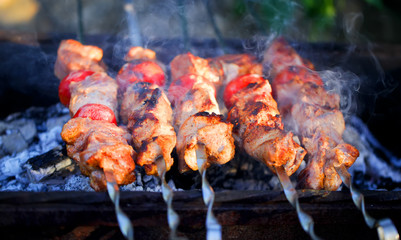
(32, 158)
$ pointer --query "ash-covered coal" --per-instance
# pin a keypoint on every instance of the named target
(38, 161)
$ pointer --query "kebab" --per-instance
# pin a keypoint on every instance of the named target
(203, 137)
(147, 111)
(259, 131)
(315, 115)
(93, 139)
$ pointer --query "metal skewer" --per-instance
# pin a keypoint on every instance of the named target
(114, 193)
(291, 194)
(172, 216)
(385, 227)
(134, 32)
(80, 33)
(213, 228)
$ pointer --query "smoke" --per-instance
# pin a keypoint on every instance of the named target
(345, 84)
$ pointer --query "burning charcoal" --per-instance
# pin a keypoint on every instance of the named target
(25, 127)
(13, 142)
(36, 187)
(57, 121)
(47, 164)
(12, 185)
(147, 178)
(77, 183)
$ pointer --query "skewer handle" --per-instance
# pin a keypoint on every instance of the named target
(213, 227)
(385, 227)
(291, 194)
(123, 220)
(172, 216)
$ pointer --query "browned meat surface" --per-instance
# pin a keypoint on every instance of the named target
(100, 147)
(209, 131)
(259, 131)
(98, 88)
(73, 56)
(148, 113)
(234, 65)
(314, 114)
(281, 55)
(320, 122)
(201, 98)
(135, 53)
(189, 64)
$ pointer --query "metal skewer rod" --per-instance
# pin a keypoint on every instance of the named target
(172, 216)
(213, 228)
(80, 33)
(134, 32)
(123, 220)
(291, 194)
(385, 227)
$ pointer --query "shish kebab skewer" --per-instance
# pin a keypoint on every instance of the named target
(315, 113)
(203, 137)
(258, 131)
(256, 92)
(92, 136)
(147, 111)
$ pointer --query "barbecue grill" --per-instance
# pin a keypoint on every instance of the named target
(257, 213)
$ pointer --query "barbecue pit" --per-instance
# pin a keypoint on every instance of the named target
(248, 203)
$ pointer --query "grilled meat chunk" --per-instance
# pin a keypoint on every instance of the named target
(281, 55)
(148, 113)
(210, 131)
(97, 88)
(73, 56)
(200, 98)
(100, 147)
(234, 65)
(137, 52)
(258, 128)
(189, 64)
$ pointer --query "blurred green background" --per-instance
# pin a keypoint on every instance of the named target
(307, 20)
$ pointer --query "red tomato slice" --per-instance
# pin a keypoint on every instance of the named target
(64, 87)
(96, 112)
(146, 71)
(238, 84)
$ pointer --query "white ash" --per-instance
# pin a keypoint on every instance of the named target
(242, 173)
(31, 126)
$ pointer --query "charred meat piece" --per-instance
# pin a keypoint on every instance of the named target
(315, 115)
(148, 113)
(100, 146)
(258, 129)
(97, 88)
(73, 56)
